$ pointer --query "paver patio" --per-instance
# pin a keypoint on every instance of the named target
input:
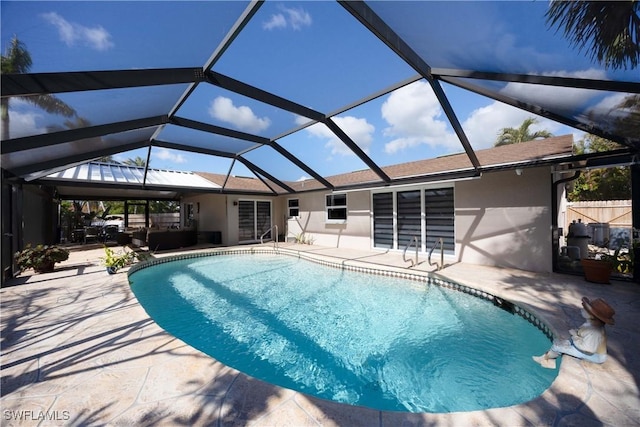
(78, 349)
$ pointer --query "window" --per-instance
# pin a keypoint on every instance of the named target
(440, 217)
(409, 217)
(428, 214)
(383, 220)
(293, 206)
(254, 220)
(336, 207)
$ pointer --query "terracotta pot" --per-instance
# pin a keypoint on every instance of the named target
(597, 271)
(46, 267)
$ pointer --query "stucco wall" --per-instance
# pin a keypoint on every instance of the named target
(504, 220)
(218, 213)
(212, 215)
(354, 233)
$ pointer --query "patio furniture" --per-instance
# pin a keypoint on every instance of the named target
(91, 233)
(77, 235)
(123, 238)
(171, 239)
(109, 232)
(214, 237)
(139, 237)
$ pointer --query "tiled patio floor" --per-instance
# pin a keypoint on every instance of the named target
(77, 349)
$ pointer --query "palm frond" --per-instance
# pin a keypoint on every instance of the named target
(609, 30)
(51, 104)
(17, 59)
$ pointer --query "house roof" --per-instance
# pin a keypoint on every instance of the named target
(125, 181)
(122, 105)
(526, 154)
(115, 180)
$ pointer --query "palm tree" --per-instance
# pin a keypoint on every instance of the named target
(516, 135)
(138, 161)
(17, 60)
(107, 159)
(611, 28)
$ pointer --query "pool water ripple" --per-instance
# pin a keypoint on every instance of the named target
(380, 342)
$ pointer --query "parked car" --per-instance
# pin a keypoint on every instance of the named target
(117, 221)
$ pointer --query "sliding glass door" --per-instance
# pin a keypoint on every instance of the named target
(254, 219)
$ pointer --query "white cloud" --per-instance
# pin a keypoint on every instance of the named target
(563, 98)
(610, 103)
(609, 106)
(72, 33)
(300, 120)
(359, 130)
(168, 155)
(23, 124)
(483, 125)
(295, 18)
(241, 117)
(276, 21)
(413, 113)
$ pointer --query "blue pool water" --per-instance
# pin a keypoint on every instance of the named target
(379, 342)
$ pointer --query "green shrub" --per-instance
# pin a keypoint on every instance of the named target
(41, 257)
(117, 261)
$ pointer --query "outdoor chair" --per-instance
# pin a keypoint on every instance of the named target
(110, 232)
(91, 233)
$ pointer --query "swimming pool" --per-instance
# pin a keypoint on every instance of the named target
(381, 342)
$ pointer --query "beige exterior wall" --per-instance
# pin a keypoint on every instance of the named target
(354, 233)
(218, 213)
(504, 220)
(212, 215)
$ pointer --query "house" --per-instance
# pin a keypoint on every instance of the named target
(504, 216)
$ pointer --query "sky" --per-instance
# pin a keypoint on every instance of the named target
(312, 52)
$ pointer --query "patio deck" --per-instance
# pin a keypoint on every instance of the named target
(77, 349)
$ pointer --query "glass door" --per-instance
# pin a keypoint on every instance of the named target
(263, 219)
(254, 219)
(409, 218)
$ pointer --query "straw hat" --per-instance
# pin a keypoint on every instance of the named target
(600, 309)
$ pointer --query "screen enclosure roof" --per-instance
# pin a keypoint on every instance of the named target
(291, 91)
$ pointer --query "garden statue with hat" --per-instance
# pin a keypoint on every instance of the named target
(589, 341)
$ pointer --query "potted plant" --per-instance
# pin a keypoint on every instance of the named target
(599, 269)
(114, 261)
(41, 258)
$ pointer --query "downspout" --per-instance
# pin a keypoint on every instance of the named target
(555, 240)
